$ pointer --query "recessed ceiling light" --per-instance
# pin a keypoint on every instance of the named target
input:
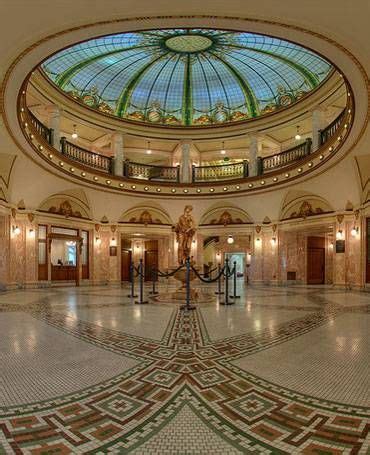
(250, 185)
(287, 175)
(300, 169)
(72, 169)
(173, 190)
(225, 188)
(186, 190)
(146, 188)
(237, 187)
(262, 182)
(158, 190)
(61, 163)
(198, 190)
(211, 190)
(133, 187)
(121, 185)
(108, 182)
(83, 174)
(310, 164)
(275, 179)
(96, 179)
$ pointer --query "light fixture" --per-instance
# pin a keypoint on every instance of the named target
(354, 231)
(339, 235)
(230, 239)
(113, 242)
(16, 230)
(273, 241)
(223, 151)
(98, 241)
(297, 137)
(31, 232)
(148, 150)
(74, 135)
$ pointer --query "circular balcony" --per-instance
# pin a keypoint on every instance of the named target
(98, 169)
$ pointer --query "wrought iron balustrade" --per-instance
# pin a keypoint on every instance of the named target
(41, 129)
(328, 132)
(272, 162)
(220, 172)
(151, 172)
(91, 159)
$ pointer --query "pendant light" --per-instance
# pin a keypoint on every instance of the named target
(74, 135)
(297, 137)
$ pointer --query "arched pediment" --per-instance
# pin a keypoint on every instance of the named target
(302, 204)
(145, 214)
(225, 215)
(69, 203)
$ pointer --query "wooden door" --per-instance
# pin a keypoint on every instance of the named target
(125, 264)
(315, 260)
(150, 258)
(368, 250)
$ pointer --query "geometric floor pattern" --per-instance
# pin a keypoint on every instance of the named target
(283, 371)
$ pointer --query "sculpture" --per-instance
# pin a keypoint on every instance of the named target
(185, 230)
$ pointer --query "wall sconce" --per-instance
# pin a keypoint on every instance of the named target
(16, 230)
(113, 242)
(355, 231)
(98, 241)
(258, 241)
(31, 233)
(339, 235)
(230, 240)
(331, 245)
(249, 259)
(273, 241)
(297, 137)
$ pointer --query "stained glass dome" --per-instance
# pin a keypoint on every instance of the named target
(187, 77)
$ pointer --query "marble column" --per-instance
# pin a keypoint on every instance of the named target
(255, 149)
(185, 164)
(117, 148)
(54, 113)
(318, 123)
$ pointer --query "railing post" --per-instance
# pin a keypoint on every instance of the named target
(259, 165)
(234, 296)
(125, 168)
(226, 302)
(193, 173)
(132, 279)
(245, 169)
(187, 306)
(308, 146)
(178, 173)
(141, 283)
(154, 279)
(51, 136)
(63, 141)
(219, 288)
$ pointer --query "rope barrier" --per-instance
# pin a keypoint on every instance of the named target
(204, 280)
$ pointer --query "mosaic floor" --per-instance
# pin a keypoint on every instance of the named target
(282, 371)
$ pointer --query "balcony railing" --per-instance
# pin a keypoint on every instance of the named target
(41, 129)
(328, 132)
(216, 173)
(91, 159)
(296, 153)
(220, 172)
(150, 172)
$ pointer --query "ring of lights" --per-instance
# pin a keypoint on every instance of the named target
(15, 121)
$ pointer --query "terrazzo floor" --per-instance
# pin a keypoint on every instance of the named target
(281, 371)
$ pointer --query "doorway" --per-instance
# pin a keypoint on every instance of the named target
(239, 258)
(315, 260)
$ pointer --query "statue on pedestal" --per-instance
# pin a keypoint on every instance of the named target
(185, 230)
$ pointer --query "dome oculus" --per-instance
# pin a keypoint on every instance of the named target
(187, 77)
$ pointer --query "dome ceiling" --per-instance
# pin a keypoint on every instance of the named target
(187, 77)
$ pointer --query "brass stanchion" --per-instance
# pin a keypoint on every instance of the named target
(141, 283)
